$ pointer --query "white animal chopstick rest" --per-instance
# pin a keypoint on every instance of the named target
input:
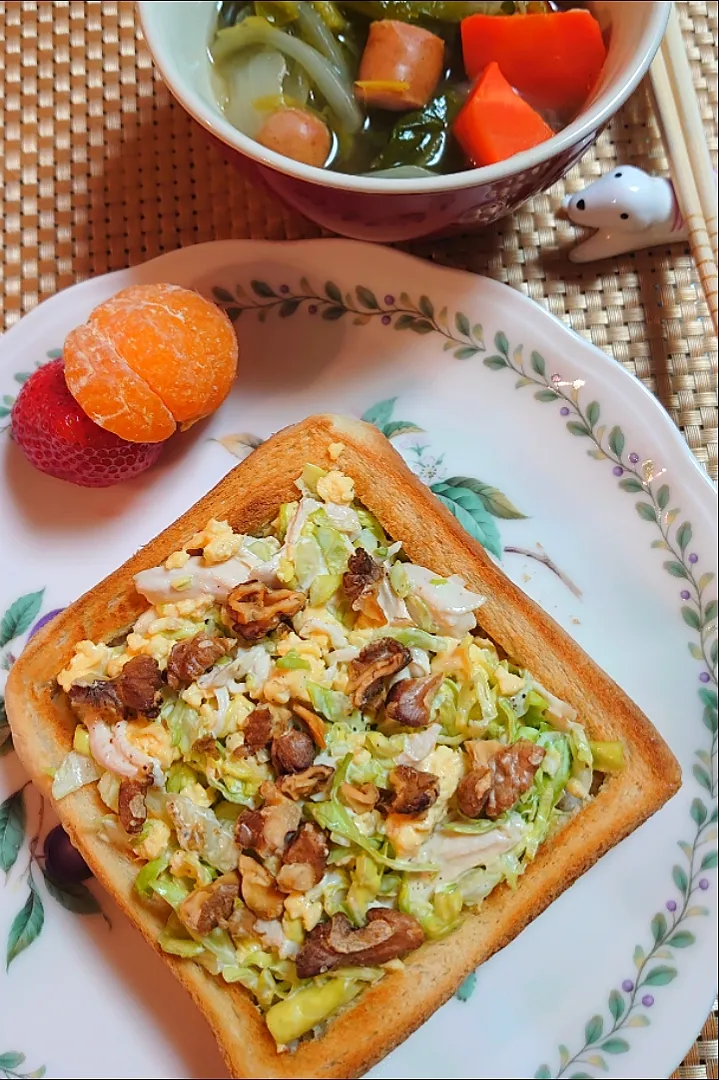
(630, 210)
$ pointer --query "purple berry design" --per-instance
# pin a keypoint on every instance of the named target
(312, 309)
(671, 905)
(389, 300)
(685, 594)
(693, 558)
(42, 621)
(618, 470)
(704, 677)
(564, 411)
(704, 884)
(647, 1001)
(63, 862)
(627, 986)
(634, 458)
(386, 320)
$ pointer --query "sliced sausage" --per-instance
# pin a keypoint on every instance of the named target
(400, 67)
(297, 134)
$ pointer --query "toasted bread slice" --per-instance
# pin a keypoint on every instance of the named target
(384, 1015)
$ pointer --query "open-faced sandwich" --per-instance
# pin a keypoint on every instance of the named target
(324, 754)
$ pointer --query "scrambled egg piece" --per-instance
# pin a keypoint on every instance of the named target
(307, 649)
(193, 696)
(299, 906)
(154, 740)
(283, 685)
(199, 795)
(507, 683)
(218, 542)
(335, 450)
(155, 842)
(177, 560)
(89, 663)
(336, 487)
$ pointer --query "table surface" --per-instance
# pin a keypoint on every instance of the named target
(100, 169)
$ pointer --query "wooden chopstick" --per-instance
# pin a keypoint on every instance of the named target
(685, 184)
(680, 76)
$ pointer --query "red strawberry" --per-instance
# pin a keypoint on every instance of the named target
(59, 439)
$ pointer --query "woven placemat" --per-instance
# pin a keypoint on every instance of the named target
(99, 169)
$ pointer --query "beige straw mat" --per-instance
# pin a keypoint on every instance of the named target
(99, 169)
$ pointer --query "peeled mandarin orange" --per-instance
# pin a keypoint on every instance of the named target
(150, 358)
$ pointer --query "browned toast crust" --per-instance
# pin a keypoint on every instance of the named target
(384, 1015)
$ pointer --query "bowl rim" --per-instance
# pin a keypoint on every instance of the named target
(586, 124)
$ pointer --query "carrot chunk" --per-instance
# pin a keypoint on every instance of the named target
(554, 60)
(495, 122)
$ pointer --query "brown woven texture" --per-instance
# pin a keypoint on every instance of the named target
(99, 169)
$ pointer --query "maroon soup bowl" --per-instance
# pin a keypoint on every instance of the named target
(385, 210)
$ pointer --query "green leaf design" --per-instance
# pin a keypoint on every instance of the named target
(493, 500)
(597, 1062)
(332, 314)
(711, 611)
(466, 352)
(421, 326)
(538, 364)
(26, 926)
(494, 362)
(470, 512)
(580, 430)
(11, 1061)
(663, 497)
(631, 484)
(616, 1004)
(676, 569)
(501, 344)
(698, 812)
(594, 1030)
(381, 413)
(546, 395)
(580, 1076)
(709, 862)
(593, 413)
(714, 652)
(403, 322)
(233, 313)
(702, 777)
(681, 940)
(462, 323)
(223, 295)
(684, 535)
(615, 1045)
(263, 290)
(691, 618)
(74, 897)
(478, 333)
(647, 512)
(288, 307)
(22, 376)
(659, 928)
(4, 411)
(19, 616)
(333, 292)
(426, 307)
(658, 976)
(366, 298)
(638, 956)
(616, 441)
(543, 1073)
(399, 427)
(468, 987)
(680, 879)
(709, 719)
(12, 830)
(709, 698)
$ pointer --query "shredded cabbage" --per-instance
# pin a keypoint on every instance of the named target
(74, 773)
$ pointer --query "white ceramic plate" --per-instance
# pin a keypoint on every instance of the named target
(508, 414)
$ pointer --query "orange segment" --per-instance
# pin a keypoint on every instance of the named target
(182, 345)
(110, 392)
